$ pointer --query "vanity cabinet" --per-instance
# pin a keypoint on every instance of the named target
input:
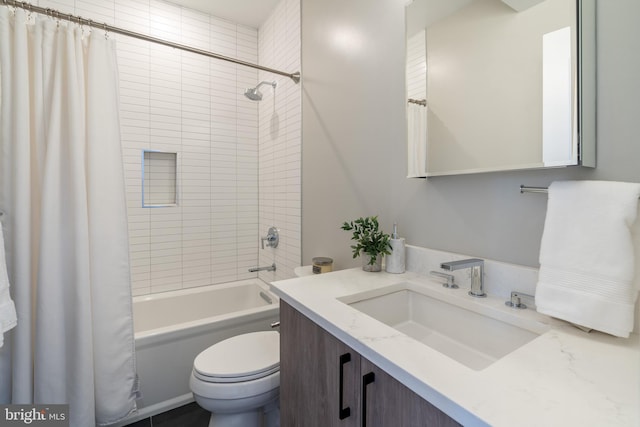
(325, 383)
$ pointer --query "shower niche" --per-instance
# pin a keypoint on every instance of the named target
(159, 179)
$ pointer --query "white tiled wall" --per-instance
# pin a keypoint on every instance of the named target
(177, 101)
(280, 140)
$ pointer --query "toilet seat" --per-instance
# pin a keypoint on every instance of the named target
(237, 390)
(241, 358)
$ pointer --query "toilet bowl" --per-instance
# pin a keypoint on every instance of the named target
(238, 380)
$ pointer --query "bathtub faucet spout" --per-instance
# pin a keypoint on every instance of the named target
(272, 267)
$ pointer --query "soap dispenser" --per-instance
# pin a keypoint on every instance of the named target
(396, 261)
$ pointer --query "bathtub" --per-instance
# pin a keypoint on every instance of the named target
(171, 328)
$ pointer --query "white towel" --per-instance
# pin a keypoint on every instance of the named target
(587, 255)
(8, 317)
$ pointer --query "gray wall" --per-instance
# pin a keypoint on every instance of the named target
(353, 140)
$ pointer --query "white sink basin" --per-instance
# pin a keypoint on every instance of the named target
(471, 332)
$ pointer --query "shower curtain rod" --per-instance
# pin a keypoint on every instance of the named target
(108, 28)
(422, 102)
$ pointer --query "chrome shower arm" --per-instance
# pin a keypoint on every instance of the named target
(273, 84)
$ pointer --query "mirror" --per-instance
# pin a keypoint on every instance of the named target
(496, 85)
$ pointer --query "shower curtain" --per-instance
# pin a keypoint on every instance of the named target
(62, 195)
(417, 140)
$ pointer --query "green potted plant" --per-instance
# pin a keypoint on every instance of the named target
(370, 240)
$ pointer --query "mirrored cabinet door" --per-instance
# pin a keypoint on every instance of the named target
(495, 85)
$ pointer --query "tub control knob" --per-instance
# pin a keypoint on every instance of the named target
(275, 324)
(272, 238)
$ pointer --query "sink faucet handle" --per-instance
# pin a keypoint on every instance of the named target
(450, 283)
(516, 300)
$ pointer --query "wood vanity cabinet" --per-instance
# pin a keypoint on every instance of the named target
(325, 383)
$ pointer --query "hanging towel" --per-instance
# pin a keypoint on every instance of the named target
(587, 256)
(416, 140)
(7, 310)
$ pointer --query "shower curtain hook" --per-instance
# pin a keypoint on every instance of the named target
(26, 6)
(106, 33)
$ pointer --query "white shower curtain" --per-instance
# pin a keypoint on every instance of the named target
(417, 140)
(62, 194)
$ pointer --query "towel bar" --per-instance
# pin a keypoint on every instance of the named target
(526, 189)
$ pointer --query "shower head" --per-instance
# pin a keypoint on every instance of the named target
(254, 94)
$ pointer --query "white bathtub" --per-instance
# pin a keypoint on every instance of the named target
(171, 328)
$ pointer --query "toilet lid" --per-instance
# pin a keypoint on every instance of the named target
(241, 358)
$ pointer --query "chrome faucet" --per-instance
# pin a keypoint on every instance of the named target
(477, 272)
(272, 267)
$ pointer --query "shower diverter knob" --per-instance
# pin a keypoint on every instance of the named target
(272, 238)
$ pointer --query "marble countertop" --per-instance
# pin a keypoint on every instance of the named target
(564, 377)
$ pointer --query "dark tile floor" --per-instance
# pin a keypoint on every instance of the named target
(190, 415)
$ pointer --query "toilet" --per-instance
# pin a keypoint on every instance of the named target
(238, 380)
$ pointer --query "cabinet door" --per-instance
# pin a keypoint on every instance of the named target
(387, 402)
(311, 361)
